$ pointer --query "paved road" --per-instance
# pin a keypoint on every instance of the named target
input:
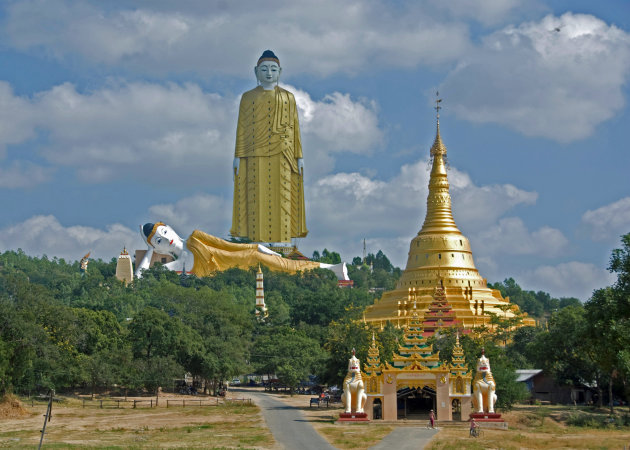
(406, 438)
(287, 424)
(292, 431)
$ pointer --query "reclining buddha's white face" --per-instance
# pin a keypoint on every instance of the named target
(165, 241)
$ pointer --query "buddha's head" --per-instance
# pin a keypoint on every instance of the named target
(162, 238)
(268, 69)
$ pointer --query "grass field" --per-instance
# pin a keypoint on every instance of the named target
(540, 427)
(242, 426)
(222, 426)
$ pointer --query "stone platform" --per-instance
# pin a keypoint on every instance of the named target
(489, 420)
(353, 417)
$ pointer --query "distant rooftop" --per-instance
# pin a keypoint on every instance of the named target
(526, 374)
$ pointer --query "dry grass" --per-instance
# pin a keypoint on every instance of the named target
(534, 428)
(359, 436)
(242, 426)
(11, 407)
(223, 426)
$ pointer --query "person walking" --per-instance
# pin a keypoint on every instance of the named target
(432, 419)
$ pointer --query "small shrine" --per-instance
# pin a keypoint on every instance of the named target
(416, 381)
(124, 267)
(83, 264)
(261, 309)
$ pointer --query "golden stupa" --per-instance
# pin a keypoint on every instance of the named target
(440, 276)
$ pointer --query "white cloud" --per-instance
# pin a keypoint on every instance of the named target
(609, 221)
(348, 207)
(338, 123)
(23, 175)
(557, 78)
(487, 12)
(41, 235)
(478, 207)
(510, 236)
(203, 212)
(171, 135)
(16, 118)
(571, 279)
(321, 37)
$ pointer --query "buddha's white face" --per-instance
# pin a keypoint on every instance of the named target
(268, 73)
(166, 241)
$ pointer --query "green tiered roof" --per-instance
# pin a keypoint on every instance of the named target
(415, 353)
(373, 366)
(458, 364)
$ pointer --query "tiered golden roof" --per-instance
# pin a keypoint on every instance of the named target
(415, 353)
(373, 365)
(458, 363)
(439, 255)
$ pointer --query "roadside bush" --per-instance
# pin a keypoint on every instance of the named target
(584, 420)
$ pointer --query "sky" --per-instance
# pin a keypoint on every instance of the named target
(118, 113)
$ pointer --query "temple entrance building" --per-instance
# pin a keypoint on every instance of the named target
(440, 276)
(416, 381)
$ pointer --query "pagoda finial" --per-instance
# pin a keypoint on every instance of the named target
(439, 218)
(438, 100)
(353, 351)
(438, 148)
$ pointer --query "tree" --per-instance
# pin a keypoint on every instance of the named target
(288, 353)
(162, 345)
(563, 350)
(609, 334)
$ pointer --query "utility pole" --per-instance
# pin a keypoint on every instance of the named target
(364, 251)
(47, 416)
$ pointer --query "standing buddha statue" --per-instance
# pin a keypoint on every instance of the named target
(268, 169)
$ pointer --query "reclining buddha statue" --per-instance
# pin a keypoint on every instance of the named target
(203, 254)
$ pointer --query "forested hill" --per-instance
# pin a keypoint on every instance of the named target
(537, 304)
(61, 329)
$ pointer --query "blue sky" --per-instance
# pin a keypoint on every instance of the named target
(113, 114)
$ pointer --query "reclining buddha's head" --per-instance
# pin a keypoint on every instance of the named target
(162, 238)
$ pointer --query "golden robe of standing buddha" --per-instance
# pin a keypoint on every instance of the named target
(268, 170)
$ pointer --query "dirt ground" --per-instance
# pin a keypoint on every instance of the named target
(234, 424)
(529, 427)
(228, 424)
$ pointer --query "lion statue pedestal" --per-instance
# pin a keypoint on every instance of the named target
(484, 397)
(354, 396)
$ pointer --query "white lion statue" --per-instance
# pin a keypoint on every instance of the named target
(484, 387)
(354, 396)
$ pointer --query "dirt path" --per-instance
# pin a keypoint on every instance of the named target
(289, 427)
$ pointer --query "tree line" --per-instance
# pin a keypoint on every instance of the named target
(61, 330)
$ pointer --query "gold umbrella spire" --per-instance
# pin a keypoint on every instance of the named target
(439, 218)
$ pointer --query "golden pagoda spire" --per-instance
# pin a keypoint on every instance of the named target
(439, 218)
